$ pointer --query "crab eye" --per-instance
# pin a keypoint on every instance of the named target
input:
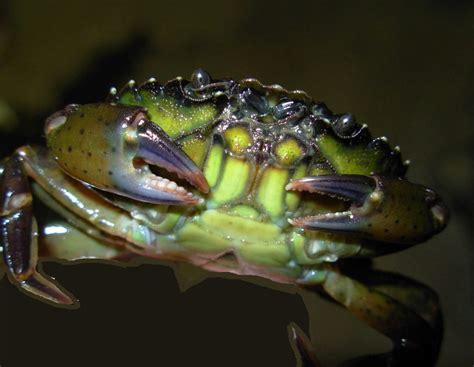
(200, 78)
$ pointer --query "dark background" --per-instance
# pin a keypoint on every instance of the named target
(404, 67)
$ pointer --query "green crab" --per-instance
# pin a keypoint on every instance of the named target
(234, 177)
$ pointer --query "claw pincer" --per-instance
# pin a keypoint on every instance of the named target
(110, 147)
(381, 208)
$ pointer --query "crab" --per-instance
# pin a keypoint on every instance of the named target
(230, 176)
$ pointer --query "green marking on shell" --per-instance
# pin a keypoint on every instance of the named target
(237, 139)
(213, 165)
(271, 190)
(173, 116)
(233, 181)
(293, 198)
(350, 159)
(288, 151)
(195, 146)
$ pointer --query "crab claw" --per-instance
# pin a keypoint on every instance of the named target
(381, 208)
(111, 147)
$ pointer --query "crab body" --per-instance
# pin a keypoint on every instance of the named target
(230, 176)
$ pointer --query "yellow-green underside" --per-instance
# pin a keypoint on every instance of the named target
(347, 159)
(246, 202)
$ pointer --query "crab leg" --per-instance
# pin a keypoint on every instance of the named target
(381, 208)
(400, 308)
(59, 239)
(302, 347)
(19, 237)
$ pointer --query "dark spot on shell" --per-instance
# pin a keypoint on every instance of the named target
(385, 216)
(65, 164)
(69, 149)
(99, 169)
(81, 131)
(85, 171)
(286, 108)
(320, 109)
(369, 225)
(114, 149)
(100, 118)
(385, 230)
(397, 221)
(60, 150)
(255, 100)
(68, 128)
(345, 125)
(107, 123)
(89, 154)
(200, 78)
(110, 173)
(81, 115)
